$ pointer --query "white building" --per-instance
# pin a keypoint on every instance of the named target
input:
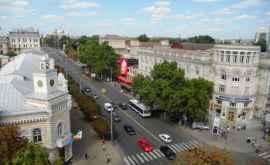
(240, 73)
(36, 99)
(3, 45)
(24, 39)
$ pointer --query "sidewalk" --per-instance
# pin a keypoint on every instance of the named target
(236, 140)
(91, 145)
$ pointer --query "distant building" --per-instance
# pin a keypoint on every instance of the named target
(24, 39)
(58, 32)
(3, 45)
(260, 36)
(3, 60)
(36, 99)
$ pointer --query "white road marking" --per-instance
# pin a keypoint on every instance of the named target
(160, 152)
(148, 155)
(146, 130)
(262, 154)
(183, 146)
(157, 153)
(179, 147)
(172, 149)
(140, 158)
(194, 144)
(186, 146)
(174, 146)
(126, 161)
(267, 156)
(135, 159)
(130, 160)
(152, 153)
(145, 158)
(189, 145)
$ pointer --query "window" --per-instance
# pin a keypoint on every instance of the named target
(247, 59)
(235, 79)
(37, 135)
(241, 59)
(247, 79)
(223, 76)
(60, 129)
(245, 104)
(232, 104)
(219, 101)
(235, 59)
(228, 58)
(221, 88)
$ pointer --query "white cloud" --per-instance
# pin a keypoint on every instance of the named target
(17, 6)
(243, 4)
(159, 10)
(3, 17)
(81, 14)
(267, 13)
(128, 21)
(245, 17)
(76, 4)
(187, 16)
(51, 17)
(202, 1)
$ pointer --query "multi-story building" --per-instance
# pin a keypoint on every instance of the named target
(3, 45)
(35, 98)
(240, 75)
(24, 39)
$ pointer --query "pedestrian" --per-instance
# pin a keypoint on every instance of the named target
(86, 156)
(108, 158)
(103, 147)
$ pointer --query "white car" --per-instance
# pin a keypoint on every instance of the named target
(165, 138)
(108, 107)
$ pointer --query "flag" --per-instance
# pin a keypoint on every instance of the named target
(78, 136)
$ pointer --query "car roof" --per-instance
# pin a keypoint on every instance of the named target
(165, 135)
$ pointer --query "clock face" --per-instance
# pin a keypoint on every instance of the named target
(40, 83)
(51, 82)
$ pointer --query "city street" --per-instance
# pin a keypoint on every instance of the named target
(144, 127)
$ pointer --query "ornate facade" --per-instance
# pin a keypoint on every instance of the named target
(36, 99)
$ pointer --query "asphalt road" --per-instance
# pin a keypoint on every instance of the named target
(144, 127)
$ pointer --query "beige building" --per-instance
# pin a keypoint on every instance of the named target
(3, 45)
(36, 99)
(24, 40)
(241, 75)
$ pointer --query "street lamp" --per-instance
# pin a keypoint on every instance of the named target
(111, 126)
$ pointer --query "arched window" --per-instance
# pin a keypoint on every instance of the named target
(60, 129)
(37, 135)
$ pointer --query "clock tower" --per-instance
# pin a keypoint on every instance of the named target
(45, 80)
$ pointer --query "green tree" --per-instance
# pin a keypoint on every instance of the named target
(143, 38)
(101, 59)
(262, 44)
(11, 54)
(32, 154)
(137, 83)
(202, 39)
(10, 142)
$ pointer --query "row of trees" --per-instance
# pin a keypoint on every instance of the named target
(167, 89)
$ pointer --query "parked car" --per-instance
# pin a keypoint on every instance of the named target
(199, 125)
(87, 90)
(123, 106)
(144, 144)
(168, 152)
(108, 107)
(165, 138)
(129, 129)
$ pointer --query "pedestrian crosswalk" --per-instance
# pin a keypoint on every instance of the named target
(265, 155)
(144, 157)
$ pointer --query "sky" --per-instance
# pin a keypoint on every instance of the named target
(222, 19)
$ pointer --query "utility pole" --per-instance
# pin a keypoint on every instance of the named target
(111, 127)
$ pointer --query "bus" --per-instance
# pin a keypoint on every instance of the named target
(140, 108)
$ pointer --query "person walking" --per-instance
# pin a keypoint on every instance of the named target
(86, 156)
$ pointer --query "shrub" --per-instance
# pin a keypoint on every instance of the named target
(101, 126)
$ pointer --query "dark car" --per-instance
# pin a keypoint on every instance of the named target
(168, 152)
(123, 106)
(129, 129)
(116, 117)
(114, 105)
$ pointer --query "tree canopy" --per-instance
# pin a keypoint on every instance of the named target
(202, 39)
(167, 89)
(143, 38)
(100, 58)
(11, 54)
(199, 156)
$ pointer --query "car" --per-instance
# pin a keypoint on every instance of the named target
(165, 138)
(168, 152)
(108, 107)
(116, 117)
(144, 144)
(199, 125)
(87, 90)
(123, 106)
(129, 129)
(114, 105)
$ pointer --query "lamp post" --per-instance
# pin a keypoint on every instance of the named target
(111, 126)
